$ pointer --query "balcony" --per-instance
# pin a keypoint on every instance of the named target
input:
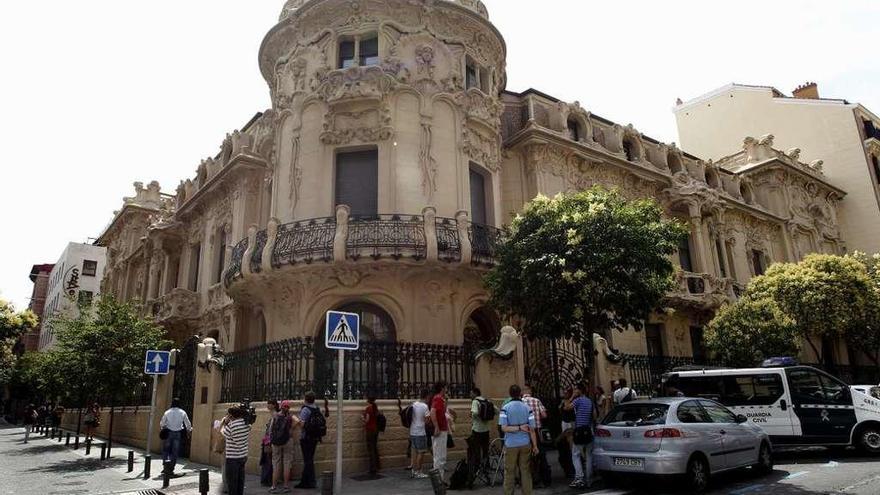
(700, 290)
(176, 306)
(395, 237)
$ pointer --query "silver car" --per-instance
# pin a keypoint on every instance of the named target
(679, 436)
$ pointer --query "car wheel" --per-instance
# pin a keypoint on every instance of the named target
(698, 475)
(765, 459)
(869, 440)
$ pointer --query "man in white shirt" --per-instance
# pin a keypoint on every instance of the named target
(623, 393)
(417, 435)
(175, 423)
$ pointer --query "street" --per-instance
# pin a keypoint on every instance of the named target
(45, 466)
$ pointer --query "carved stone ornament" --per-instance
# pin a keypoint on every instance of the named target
(355, 83)
(480, 107)
(295, 173)
(482, 149)
(370, 125)
(428, 163)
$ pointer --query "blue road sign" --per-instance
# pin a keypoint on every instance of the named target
(343, 331)
(157, 362)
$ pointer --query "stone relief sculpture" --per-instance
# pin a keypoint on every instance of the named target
(428, 164)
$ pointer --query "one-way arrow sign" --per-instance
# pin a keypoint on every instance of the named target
(157, 362)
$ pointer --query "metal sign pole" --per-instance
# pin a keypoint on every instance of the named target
(340, 378)
(152, 415)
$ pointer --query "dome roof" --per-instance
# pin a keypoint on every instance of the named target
(477, 6)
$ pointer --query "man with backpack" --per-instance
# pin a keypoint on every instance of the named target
(520, 442)
(624, 394)
(313, 430)
(281, 432)
(541, 474)
(482, 413)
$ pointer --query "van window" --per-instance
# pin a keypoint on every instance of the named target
(752, 390)
(812, 387)
(708, 387)
(637, 415)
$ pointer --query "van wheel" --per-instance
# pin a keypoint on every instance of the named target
(698, 475)
(765, 460)
(869, 439)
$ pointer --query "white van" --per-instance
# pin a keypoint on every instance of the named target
(796, 405)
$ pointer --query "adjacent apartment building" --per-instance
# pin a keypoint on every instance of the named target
(836, 136)
(30, 341)
(73, 282)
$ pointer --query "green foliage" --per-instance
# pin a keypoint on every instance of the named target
(589, 260)
(105, 347)
(746, 333)
(13, 324)
(44, 374)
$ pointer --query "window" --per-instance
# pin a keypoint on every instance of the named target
(195, 259)
(684, 255)
(574, 130)
(811, 387)
(718, 413)
(479, 208)
(876, 163)
(471, 77)
(654, 338)
(90, 268)
(719, 248)
(637, 414)
(629, 150)
(699, 386)
(85, 298)
(346, 54)
(369, 52)
(220, 256)
(758, 262)
(698, 345)
(692, 412)
(752, 390)
(357, 182)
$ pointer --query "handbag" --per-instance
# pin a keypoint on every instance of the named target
(450, 443)
(163, 433)
(583, 435)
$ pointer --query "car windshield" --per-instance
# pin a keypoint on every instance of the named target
(637, 415)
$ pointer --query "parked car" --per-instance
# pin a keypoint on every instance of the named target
(690, 437)
(795, 405)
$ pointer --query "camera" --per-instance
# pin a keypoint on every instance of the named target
(248, 411)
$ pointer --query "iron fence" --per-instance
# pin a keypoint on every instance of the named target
(484, 243)
(289, 368)
(387, 235)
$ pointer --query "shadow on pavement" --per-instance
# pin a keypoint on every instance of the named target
(78, 465)
(738, 482)
(39, 450)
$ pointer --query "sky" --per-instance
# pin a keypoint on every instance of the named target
(98, 94)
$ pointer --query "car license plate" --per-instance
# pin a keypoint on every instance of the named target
(629, 463)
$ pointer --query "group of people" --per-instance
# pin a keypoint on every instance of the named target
(45, 415)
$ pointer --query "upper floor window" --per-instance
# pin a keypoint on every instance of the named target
(477, 77)
(471, 76)
(629, 150)
(654, 339)
(90, 268)
(357, 182)
(220, 256)
(85, 298)
(876, 163)
(195, 259)
(758, 262)
(479, 198)
(359, 51)
(574, 130)
(684, 255)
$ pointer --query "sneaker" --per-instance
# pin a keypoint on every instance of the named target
(577, 483)
(420, 476)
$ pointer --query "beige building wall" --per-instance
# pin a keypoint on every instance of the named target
(827, 130)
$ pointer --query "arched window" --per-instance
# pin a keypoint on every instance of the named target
(629, 150)
(371, 369)
(482, 329)
(574, 130)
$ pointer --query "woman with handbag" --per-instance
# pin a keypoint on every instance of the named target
(582, 438)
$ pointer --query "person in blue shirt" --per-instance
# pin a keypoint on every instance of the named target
(520, 441)
(581, 453)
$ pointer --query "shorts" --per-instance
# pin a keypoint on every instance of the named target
(419, 443)
(282, 457)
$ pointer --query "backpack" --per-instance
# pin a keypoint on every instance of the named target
(485, 410)
(280, 432)
(406, 416)
(381, 422)
(629, 397)
(460, 477)
(316, 426)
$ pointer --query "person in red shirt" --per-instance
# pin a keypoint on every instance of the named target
(441, 428)
(371, 428)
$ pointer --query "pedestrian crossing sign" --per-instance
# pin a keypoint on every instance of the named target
(343, 331)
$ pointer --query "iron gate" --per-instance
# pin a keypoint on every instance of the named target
(185, 383)
(551, 367)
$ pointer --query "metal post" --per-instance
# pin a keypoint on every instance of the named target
(152, 416)
(147, 463)
(88, 446)
(166, 478)
(130, 461)
(103, 451)
(327, 483)
(76, 443)
(60, 435)
(67, 441)
(340, 379)
(203, 482)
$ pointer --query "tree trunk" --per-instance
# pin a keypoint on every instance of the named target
(110, 432)
(79, 421)
(815, 350)
(588, 349)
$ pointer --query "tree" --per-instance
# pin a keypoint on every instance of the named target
(746, 333)
(825, 295)
(13, 324)
(867, 338)
(584, 262)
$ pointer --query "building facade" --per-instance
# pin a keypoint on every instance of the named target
(844, 136)
(391, 156)
(73, 282)
(40, 274)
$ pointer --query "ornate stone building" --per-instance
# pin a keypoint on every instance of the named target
(390, 156)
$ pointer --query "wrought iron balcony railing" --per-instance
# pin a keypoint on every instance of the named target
(394, 236)
(304, 242)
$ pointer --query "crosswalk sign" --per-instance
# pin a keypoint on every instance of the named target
(343, 331)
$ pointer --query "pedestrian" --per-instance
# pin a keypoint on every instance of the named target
(57, 416)
(482, 412)
(603, 402)
(281, 433)
(92, 420)
(370, 420)
(564, 441)
(520, 442)
(175, 425)
(236, 432)
(540, 466)
(272, 408)
(582, 438)
(313, 430)
(441, 429)
(624, 394)
(418, 437)
(30, 416)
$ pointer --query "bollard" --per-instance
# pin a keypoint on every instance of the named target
(130, 461)
(436, 482)
(166, 478)
(147, 459)
(327, 483)
(88, 446)
(67, 442)
(76, 443)
(103, 451)
(203, 482)
(60, 435)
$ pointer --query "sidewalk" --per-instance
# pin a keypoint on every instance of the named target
(43, 460)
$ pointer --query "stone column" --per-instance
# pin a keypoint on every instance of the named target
(340, 239)
(699, 254)
(209, 380)
(429, 215)
(153, 280)
(461, 221)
